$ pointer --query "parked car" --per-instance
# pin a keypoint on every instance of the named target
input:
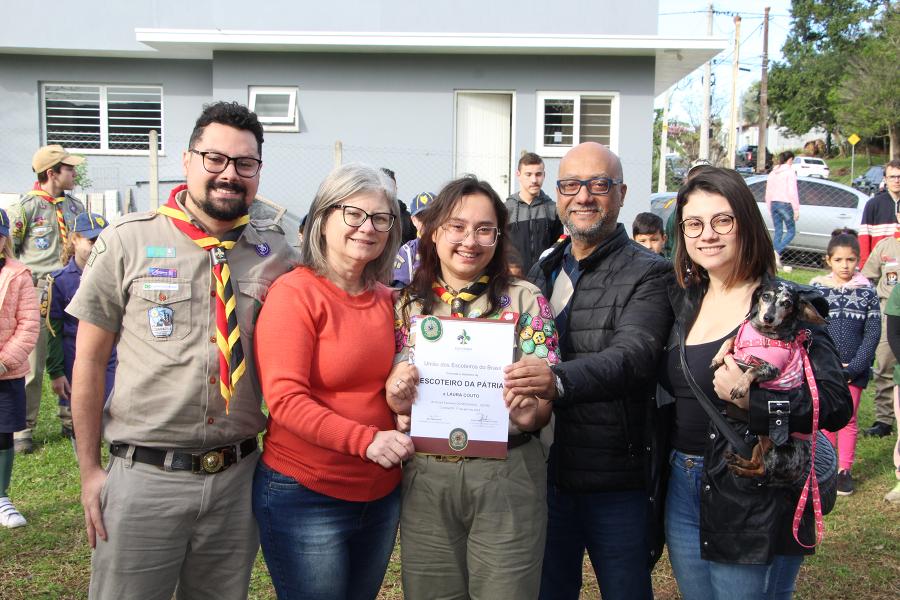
(824, 206)
(809, 166)
(870, 181)
(746, 157)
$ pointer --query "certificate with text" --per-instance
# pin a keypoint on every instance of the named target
(459, 409)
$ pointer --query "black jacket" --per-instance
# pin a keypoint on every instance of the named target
(618, 319)
(532, 227)
(741, 519)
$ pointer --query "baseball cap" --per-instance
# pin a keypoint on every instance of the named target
(50, 156)
(89, 225)
(420, 202)
(4, 223)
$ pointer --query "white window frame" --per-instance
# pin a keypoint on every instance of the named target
(287, 123)
(557, 151)
(104, 117)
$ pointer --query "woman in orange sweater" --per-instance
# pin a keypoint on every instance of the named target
(326, 493)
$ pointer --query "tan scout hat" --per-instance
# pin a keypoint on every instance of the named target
(50, 156)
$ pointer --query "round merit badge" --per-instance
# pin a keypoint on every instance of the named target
(263, 249)
(459, 439)
(432, 329)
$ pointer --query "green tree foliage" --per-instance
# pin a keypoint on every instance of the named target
(823, 34)
(867, 100)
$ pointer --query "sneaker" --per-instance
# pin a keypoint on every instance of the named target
(9, 516)
(777, 261)
(878, 429)
(893, 496)
(23, 446)
(844, 483)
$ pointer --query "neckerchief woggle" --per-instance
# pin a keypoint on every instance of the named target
(459, 302)
(228, 334)
(37, 190)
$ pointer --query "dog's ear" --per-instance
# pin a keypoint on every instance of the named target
(813, 307)
(754, 302)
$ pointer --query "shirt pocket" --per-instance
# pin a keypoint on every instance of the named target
(251, 294)
(163, 308)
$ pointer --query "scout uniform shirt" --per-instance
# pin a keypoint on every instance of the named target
(535, 329)
(35, 231)
(152, 285)
(883, 266)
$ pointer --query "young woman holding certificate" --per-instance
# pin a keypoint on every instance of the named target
(473, 527)
(326, 491)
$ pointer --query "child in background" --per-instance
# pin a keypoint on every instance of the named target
(19, 325)
(407, 260)
(854, 323)
(647, 230)
(62, 326)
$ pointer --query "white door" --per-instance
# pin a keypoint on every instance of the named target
(483, 132)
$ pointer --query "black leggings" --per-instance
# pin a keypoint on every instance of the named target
(6, 441)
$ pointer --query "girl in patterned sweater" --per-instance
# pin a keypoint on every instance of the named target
(854, 323)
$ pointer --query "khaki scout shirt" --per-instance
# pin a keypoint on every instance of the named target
(35, 231)
(535, 328)
(166, 392)
(883, 266)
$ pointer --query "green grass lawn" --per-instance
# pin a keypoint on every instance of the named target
(840, 167)
(50, 558)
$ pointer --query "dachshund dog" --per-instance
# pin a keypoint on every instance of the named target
(767, 350)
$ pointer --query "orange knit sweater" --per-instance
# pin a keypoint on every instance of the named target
(323, 357)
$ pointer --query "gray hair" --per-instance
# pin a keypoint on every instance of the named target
(342, 183)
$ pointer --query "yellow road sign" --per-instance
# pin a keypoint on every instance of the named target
(853, 139)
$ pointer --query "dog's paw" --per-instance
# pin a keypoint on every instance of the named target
(739, 391)
(716, 363)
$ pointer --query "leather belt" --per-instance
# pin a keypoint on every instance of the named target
(205, 462)
(513, 441)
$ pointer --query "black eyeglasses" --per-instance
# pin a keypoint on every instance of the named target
(596, 186)
(355, 217)
(721, 223)
(215, 162)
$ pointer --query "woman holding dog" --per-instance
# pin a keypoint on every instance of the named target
(725, 531)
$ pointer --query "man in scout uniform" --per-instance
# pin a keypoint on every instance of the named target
(41, 220)
(178, 289)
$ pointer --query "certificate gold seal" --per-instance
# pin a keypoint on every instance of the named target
(459, 439)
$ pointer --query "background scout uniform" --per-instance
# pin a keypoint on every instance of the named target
(459, 532)
(153, 285)
(62, 327)
(40, 225)
(407, 260)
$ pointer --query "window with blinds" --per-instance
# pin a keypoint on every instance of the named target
(102, 119)
(566, 119)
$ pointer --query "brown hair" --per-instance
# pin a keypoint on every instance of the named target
(529, 158)
(894, 164)
(430, 265)
(42, 177)
(755, 253)
(69, 249)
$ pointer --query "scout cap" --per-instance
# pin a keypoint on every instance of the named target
(89, 225)
(4, 223)
(420, 202)
(50, 156)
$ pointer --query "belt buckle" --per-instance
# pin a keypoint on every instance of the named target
(779, 407)
(450, 458)
(212, 461)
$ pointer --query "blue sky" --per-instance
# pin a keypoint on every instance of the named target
(681, 17)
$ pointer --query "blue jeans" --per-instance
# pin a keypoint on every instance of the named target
(783, 223)
(612, 527)
(700, 579)
(322, 548)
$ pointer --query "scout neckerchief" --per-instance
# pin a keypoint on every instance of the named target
(228, 334)
(37, 190)
(459, 302)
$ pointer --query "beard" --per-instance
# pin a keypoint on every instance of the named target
(224, 210)
(593, 233)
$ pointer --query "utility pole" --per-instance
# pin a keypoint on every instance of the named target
(763, 100)
(664, 144)
(707, 77)
(732, 130)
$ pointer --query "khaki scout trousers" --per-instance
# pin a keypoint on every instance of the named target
(34, 381)
(175, 532)
(475, 528)
(883, 379)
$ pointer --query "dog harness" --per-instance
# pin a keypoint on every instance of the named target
(750, 344)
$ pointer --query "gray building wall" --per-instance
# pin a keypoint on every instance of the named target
(398, 111)
(187, 84)
(78, 24)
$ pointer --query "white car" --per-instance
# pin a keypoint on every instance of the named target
(808, 166)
